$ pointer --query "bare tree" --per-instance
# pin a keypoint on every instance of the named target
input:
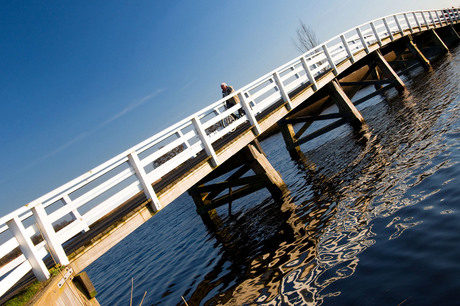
(306, 38)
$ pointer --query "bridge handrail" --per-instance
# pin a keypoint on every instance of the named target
(124, 175)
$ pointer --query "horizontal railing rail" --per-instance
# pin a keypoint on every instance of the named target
(43, 226)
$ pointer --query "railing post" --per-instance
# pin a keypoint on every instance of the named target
(52, 239)
(408, 23)
(311, 78)
(247, 109)
(205, 140)
(180, 134)
(432, 19)
(347, 47)
(376, 34)
(284, 94)
(363, 41)
(67, 201)
(425, 21)
(445, 18)
(387, 26)
(439, 18)
(330, 60)
(28, 249)
(416, 20)
(398, 24)
(142, 177)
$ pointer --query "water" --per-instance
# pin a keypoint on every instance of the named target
(363, 223)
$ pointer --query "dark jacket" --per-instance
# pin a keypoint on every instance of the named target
(233, 100)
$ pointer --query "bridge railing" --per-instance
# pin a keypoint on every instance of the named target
(42, 227)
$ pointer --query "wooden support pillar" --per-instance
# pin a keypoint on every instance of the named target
(208, 197)
(376, 75)
(208, 218)
(417, 53)
(287, 130)
(346, 107)
(387, 71)
(454, 33)
(438, 41)
(261, 166)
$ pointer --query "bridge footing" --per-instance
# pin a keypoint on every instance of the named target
(209, 194)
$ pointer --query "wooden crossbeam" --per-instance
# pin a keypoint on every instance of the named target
(371, 95)
(310, 118)
(252, 158)
(221, 170)
(318, 133)
(228, 184)
(234, 195)
(365, 83)
(302, 129)
(237, 174)
(403, 61)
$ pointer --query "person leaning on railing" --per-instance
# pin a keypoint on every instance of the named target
(227, 90)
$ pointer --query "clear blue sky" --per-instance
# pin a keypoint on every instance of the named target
(82, 81)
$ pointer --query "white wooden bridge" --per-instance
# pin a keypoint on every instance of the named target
(76, 223)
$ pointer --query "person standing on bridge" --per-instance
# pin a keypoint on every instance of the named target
(227, 90)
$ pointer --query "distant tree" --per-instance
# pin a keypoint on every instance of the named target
(306, 38)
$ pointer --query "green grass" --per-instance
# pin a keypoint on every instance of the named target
(29, 292)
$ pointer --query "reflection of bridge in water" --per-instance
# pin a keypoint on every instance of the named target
(293, 250)
(82, 219)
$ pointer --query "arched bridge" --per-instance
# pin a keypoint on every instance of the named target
(77, 222)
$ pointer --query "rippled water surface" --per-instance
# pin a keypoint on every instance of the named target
(366, 220)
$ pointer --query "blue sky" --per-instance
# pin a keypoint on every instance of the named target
(82, 81)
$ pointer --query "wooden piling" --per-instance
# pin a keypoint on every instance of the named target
(438, 41)
(208, 197)
(287, 130)
(387, 71)
(417, 53)
(346, 107)
(453, 33)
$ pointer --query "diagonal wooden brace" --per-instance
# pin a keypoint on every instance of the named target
(345, 105)
(417, 53)
(388, 72)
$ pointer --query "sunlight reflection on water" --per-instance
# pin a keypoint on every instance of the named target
(357, 225)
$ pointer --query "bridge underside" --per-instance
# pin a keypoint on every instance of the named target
(368, 68)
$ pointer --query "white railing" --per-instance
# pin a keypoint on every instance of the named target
(81, 202)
